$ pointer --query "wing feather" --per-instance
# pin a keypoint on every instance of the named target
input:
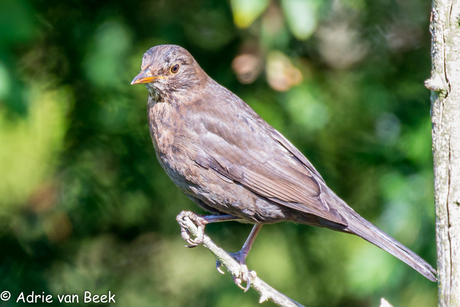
(248, 151)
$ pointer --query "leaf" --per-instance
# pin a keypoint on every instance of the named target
(246, 11)
(301, 17)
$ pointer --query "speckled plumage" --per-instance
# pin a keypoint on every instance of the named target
(227, 159)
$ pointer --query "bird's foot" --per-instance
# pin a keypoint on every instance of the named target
(199, 221)
(245, 275)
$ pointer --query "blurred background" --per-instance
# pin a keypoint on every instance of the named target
(84, 204)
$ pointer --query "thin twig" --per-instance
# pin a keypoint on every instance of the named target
(233, 267)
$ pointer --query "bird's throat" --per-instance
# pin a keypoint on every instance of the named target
(154, 93)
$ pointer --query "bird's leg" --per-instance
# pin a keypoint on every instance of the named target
(201, 221)
(240, 256)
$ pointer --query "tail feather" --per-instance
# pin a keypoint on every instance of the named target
(371, 233)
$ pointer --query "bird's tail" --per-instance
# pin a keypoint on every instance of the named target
(369, 232)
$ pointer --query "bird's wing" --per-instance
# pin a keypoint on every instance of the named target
(240, 146)
(297, 154)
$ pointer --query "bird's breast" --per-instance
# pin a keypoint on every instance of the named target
(167, 133)
(161, 127)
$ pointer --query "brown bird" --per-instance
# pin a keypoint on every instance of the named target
(232, 163)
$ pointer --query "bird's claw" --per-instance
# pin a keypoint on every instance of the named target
(184, 232)
(245, 275)
(219, 267)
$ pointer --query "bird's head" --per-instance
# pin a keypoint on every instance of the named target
(169, 69)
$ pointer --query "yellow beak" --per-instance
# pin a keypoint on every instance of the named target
(143, 78)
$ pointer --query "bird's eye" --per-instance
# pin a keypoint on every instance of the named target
(175, 68)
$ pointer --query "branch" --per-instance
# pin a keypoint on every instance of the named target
(233, 267)
(384, 303)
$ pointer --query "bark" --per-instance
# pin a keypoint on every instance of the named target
(445, 109)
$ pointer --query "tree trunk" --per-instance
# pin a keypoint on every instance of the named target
(445, 109)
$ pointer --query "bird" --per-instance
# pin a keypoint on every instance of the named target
(232, 163)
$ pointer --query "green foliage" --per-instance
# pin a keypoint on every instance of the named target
(86, 206)
(301, 17)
